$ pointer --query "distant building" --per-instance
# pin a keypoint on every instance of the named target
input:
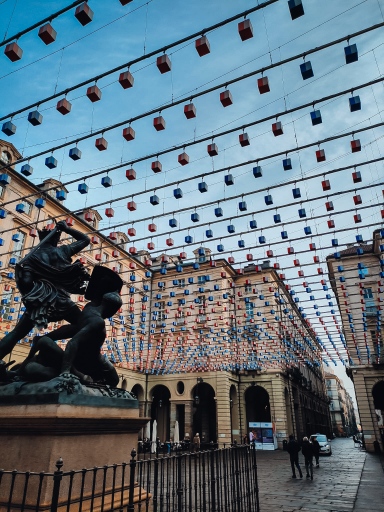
(340, 406)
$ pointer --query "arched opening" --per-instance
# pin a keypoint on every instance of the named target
(204, 415)
(257, 405)
(138, 391)
(160, 411)
(234, 406)
(288, 412)
(378, 400)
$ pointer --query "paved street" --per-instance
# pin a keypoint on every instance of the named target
(349, 480)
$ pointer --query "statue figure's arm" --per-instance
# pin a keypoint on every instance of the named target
(82, 240)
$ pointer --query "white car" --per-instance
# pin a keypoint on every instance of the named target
(325, 444)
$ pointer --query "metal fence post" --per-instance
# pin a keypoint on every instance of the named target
(237, 478)
(180, 489)
(57, 477)
(132, 467)
(213, 481)
(255, 475)
(155, 484)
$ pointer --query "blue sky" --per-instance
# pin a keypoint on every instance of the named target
(119, 34)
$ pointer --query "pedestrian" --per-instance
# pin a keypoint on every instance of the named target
(196, 442)
(307, 449)
(316, 450)
(293, 448)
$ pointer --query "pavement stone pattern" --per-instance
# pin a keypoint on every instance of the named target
(350, 480)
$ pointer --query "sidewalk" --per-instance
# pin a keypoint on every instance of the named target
(370, 494)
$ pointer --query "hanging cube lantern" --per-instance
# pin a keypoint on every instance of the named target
(202, 46)
(284, 235)
(98, 257)
(40, 203)
(268, 199)
(355, 146)
(69, 222)
(354, 103)
(183, 159)
(277, 129)
(351, 54)
(47, 33)
(357, 218)
(290, 250)
(229, 180)
(269, 253)
(4, 180)
(63, 106)
(83, 188)
(335, 242)
(296, 193)
(244, 140)
(183, 255)
(95, 240)
(331, 223)
(277, 218)
(316, 117)
(129, 133)
(115, 253)
(13, 52)
(296, 8)
(9, 128)
(126, 80)
(359, 239)
(329, 206)
(130, 174)
(35, 118)
(33, 233)
(169, 242)
(249, 257)
(51, 162)
(320, 155)
(231, 228)
(109, 212)
(154, 200)
(188, 239)
(133, 250)
(84, 14)
(209, 233)
(218, 212)
(131, 232)
(61, 195)
(131, 205)
(263, 84)
(262, 239)
(212, 149)
(150, 246)
(101, 144)
(357, 199)
(159, 123)
(312, 247)
(3, 213)
(173, 223)
(203, 187)
(306, 70)
(152, 227)
(242, 206)
(297, 264)
(94, 93)
(245, 29)
(253, 224)
(195, 217)
(106, 181)
(220, 248)
(148, 262)
(20, 208)
(113, 236)
(190, 111)
(241, 244)
(163, 64)
(178, 193)
(326, 185)
(356, 177)
(231, 260)
(156, 166)
(75, 153)
(302, 213)
(26, 169)
(287, 164)
(257, 171)
(226, 98)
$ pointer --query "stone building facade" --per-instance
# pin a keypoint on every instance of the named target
(341, 407)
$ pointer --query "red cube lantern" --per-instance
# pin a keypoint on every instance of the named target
(231, 260)
(169, 242)
(159, 123)
(109, 212)
(331, 223)
(148, 262)
(244, 139)
(300, 273)
(183, 159)
(152, 227)
(115, 253)
(63, 106)
(69, 221)
(13, 52)
(89, 216)
(130, 174)
(212, 149)
(245, 29)
(47, 33)
(84, 14)
(277, 129)
(355, 146)
(94, 93)
(101, 144)
(126, 80)
(290, 250)
(320, 271)
(129, 133)
(33, 233)
(326, 185)
(269, 253)
(132, 265)
(95, 240)
(183, 255)
(357, 218)
(356, 177)
(296, 263)
(113, 236)
(131, 231)
(132, 250)
(190, 111)
(316, 259)
(202, 46)
(98, 257)
(357, 199)
(263, 84)
(150, 246)
(212, 263)
(329, 206)
(320, 155)
(156, 166)
(131, 205)
(163, 63)
(312, 247)
(249, 257)
(226, 98)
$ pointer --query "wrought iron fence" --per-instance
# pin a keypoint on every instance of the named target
(205, 481)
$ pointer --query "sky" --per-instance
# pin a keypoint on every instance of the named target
(119, 34)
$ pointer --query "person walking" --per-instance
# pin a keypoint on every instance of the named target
(196, 443)
(307, 449)
(293, 448)
(316, 450)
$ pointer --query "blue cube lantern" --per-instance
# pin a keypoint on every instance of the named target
(40, 203)
(287, 164)
(148, 274)
(20, 208)
(172, 223)
(209, 233)
(354, 103)
(35, 118)
(262, 239)
(306, 70)
(1, 242)
(335, 242)
(359, 238)
(75, 153)
(351, 54)
(202, 186)
(257, 171)
(359, 251)
(220, 248)
(178, 193)
(316, 117)
(163, 271)
(179, 268)
(218, 212)
(188, 239)
(277, 218)
(241, 244)
(4, 180)
(242, 206)
(16, 237)
(12, 261)
(9, 128)
(302, 213)
(61, 195)
(26, 170)
(231, 228)
(154, 200)
(229, 180)
(195, 266)
(83, 188)
(253, 224)
(195, 217)
(296, 193)
(268, 199)
(106, 181)
(284, 235)
(3, 213)
(190, 280)
(307, 230)
(51, 162)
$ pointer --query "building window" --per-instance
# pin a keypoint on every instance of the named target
(201, 279)
(249, 311)
(248, 288)
(181, 283)
(18, 245)
(6, 157)
(202, 259)
(362, 271)
(6, 296)
(105, 258)
(369, 301)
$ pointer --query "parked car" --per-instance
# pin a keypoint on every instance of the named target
(324, 442)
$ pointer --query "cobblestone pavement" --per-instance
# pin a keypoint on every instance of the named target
(350, 480)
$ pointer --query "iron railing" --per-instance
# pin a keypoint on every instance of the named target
(221, 480)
